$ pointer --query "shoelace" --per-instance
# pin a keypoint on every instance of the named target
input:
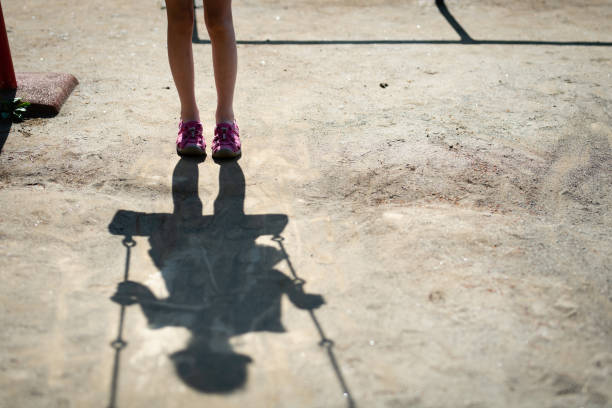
(221, 134)
(192, 134)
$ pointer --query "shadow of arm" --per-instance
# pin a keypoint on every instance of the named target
(131, 223)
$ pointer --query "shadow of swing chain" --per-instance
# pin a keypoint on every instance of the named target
(119, 344)
(325, 342)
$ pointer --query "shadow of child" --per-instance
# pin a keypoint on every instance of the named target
(220, 282)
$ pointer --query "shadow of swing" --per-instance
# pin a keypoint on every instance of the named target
(220, 282)
(464, 38)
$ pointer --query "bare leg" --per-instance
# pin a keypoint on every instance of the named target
(220, 26)
(180, 27)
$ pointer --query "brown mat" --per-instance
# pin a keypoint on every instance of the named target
(46, 91)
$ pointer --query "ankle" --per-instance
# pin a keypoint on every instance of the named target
(226, 117)
(187, 116)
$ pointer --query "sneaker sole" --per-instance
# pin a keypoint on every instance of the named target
(190, 151)
(226, 154)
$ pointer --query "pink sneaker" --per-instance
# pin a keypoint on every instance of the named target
(226, 143)
(190, 141)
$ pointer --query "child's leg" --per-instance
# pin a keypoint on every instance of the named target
(218, 17)
(180, 27)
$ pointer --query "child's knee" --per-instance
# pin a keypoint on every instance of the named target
(180, 17)
(219, 23)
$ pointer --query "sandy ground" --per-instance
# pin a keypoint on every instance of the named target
(457, 223)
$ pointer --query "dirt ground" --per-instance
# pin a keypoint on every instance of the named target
(456, 221)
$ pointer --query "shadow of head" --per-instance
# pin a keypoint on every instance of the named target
(211, 372)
